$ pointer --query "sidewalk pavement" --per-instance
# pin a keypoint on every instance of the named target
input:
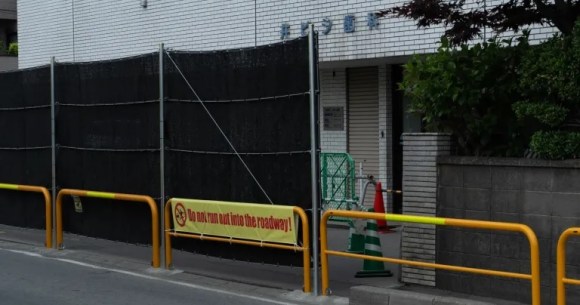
(342, 271)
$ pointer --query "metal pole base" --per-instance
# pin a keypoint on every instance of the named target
(375, 273)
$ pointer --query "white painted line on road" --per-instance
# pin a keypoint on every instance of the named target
(26, 253)
(144, 276)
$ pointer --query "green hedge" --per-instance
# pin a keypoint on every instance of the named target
(502, 97)
(469, 92)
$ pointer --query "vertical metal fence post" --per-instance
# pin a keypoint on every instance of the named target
(313, 156)
(162, 148)
(53, 138)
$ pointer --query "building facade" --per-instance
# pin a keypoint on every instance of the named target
(362, 112)
(8, 34)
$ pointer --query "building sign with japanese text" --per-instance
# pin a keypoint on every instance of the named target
(349, 23)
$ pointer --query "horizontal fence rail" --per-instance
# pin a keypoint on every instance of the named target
(561, 278)
(47, 205)
(305, 248)
(534, 276)
(112, 196)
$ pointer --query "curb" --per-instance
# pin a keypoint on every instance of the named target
(367, 295)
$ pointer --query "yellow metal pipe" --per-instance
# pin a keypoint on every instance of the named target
(305, 241)
(571, 281)
(513, 227)
(7, 186)
(561, 266)
(154, 222)
(324, 252)
(115, 196)
(237, 241)
(47, 206)
(514, 275)
(305, 247)
(166, 231)
(477, 224)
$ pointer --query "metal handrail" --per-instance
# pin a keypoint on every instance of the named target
(113, 196)
(561, 278)
(47, 205)
(534, 277)
(305, 248)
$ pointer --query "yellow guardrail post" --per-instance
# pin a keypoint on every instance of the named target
(305, 248)
(115, 196)
(561, 279)
(534, 277)
(167, 231)
(47, 205)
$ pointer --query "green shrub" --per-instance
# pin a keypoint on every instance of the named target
(549, 114)
(556, 144)
(550, 83)
(469, 92)
(13, 49)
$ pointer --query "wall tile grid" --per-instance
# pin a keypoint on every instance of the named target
(333, 93)
(420, 152)
(105, 29)
(385, 128)
(544, 197)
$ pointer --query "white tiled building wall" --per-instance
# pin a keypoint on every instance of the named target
(82, 30)
(385, 128)
(333, 93)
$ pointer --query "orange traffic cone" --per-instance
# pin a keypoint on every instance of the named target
(379, 207)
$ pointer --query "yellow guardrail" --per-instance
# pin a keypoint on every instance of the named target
(47, 205)
(561, 278)
(114, 196)
(534, 276)
(305, 248)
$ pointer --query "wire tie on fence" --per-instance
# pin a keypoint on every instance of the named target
(231, 240)
(261, 244)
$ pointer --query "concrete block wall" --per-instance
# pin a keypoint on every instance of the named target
(420, 152)
(541, 194)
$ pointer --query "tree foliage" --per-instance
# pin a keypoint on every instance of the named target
(469, 91)
(498, 97)
(550, 83)
(464, 23)
(13, 49)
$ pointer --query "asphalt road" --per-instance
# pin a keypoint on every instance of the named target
(32, 279)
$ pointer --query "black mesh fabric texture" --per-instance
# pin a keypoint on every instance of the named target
(259, 97)
(25, 153)
(107, 138)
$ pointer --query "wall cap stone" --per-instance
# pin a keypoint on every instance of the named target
(516, 162)
(367, 295)
(427, 134)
